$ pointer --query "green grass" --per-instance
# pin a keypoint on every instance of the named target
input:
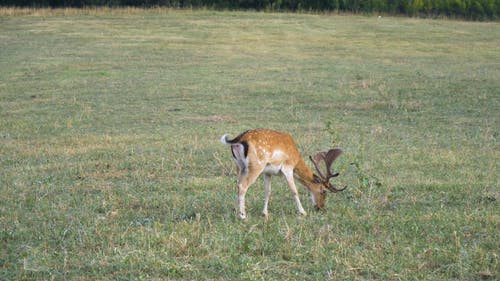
(111, 166)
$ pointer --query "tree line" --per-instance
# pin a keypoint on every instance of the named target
(466, 9)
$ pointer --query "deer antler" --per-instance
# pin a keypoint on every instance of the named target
(328, 157)
(315, 160)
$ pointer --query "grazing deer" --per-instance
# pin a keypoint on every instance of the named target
(271, 152)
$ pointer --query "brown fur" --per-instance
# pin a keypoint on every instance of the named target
(272, 152)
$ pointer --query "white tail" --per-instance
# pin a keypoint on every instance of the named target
(271, 153)
(224, 139)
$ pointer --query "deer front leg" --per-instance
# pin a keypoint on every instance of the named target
(291, 184)
(267, 193)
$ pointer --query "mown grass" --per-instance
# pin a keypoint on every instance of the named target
(111, 166)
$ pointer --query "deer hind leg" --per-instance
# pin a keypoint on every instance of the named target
(244, 182)
(247, 174)
(293, 188)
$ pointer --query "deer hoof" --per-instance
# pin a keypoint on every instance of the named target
(266, 216)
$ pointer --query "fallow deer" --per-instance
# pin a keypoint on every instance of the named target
(270, 152)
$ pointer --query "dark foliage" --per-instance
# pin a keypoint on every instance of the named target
(467, 9)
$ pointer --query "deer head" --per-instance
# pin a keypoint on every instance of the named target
(327, 157)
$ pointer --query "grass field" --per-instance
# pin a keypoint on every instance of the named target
(111, 166)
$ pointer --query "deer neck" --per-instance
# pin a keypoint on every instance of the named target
(304, 174)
